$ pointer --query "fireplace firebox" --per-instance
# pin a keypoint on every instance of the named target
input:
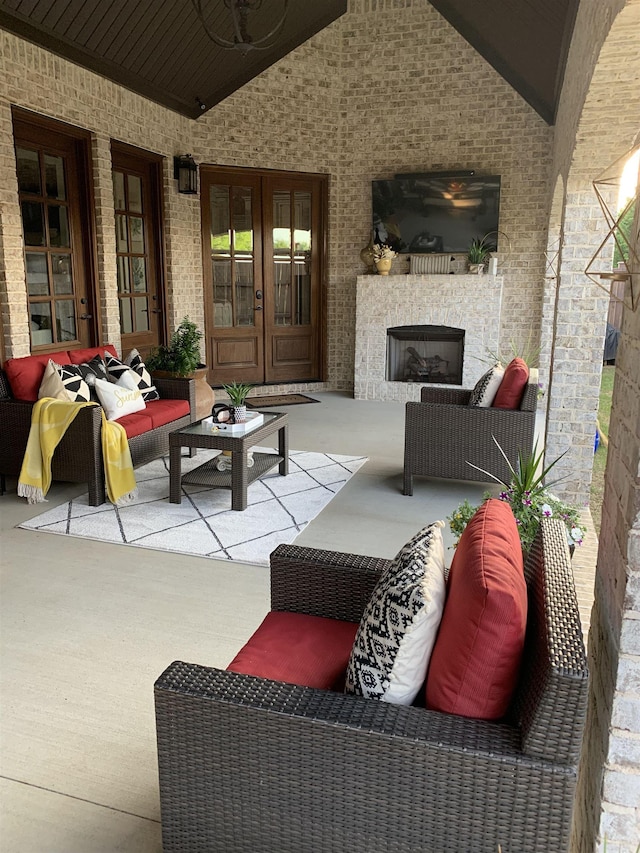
(425, 354)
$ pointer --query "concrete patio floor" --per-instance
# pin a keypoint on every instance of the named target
(87, 627)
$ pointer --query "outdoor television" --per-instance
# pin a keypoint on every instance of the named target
(435, 213)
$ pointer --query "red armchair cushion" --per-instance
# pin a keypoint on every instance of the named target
(162, 412)
(514, 381)
(475, 661)
(311, 651)
(25, 374)
(80, 356)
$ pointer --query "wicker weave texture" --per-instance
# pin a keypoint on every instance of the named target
(248, 764)
(78, 456)
(445, 437)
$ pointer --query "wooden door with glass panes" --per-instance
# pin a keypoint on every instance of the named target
(136, 188)
(60, 300)
(262, 239)
(232, 247)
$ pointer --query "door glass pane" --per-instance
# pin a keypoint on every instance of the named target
(54, 177)
(220, 219)
(126, 323)
(37, 276)
(137, 234)
(222, 305)
(282, 291)
(281, 223)
(303, 292)
(242, 224)
(61, 270)
(244, 291)
(302, 257)
(65, 320)
(58, 226)
(124, 285)
(135, 193)
(141, 312)
(28, 167)
(122, 240)
(33, 223)
(138, 271)
(118, 191)
(40, 317)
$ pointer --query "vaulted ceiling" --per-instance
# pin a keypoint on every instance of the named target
(159, 48)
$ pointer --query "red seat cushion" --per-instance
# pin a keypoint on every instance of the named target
(136, 423)
(80, 356)
(25, 374)
(514, 381)
(296, 648)
(475, 661)
(162, 412)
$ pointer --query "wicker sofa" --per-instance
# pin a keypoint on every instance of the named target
(78, 456)
(250, 764)
(443, 433)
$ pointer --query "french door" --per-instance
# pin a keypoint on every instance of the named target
(139, 257)
(52, 170)
(263, 242)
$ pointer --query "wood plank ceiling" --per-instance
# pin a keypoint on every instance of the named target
(159, 48)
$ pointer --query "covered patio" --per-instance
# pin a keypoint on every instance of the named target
(387, 87)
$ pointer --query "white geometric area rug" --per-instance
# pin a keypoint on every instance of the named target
(278, 509)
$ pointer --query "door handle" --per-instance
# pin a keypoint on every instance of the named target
(258, 308)
(156, 311)
(258, 294)
(86, 316)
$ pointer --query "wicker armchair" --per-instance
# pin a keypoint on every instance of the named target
(249, 764)
(78, 457)
(443, 433)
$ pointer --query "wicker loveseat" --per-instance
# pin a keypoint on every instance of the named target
(78, 456)
(443, 433)
(251, 764)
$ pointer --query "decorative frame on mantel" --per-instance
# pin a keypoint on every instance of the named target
(603, 187)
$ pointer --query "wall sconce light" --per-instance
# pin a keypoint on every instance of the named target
(185, 171)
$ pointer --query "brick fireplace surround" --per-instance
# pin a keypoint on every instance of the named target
(469, 302)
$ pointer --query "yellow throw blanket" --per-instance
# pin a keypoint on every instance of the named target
(50, 420)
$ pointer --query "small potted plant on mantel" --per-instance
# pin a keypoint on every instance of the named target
(480, 250)
(180, 359)
(382, 257)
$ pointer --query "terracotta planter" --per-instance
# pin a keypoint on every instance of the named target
(205, 395)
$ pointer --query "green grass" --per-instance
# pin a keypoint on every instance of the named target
(600, 457)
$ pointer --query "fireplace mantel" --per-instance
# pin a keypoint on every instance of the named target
(469, 302)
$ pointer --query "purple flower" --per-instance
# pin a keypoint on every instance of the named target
(504, 496)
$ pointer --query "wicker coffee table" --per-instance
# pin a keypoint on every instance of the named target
(202, 436)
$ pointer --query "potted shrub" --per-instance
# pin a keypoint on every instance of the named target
(530, 500)
(238, 393)
(180, 358)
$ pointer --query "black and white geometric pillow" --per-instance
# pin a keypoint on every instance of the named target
(395, 637)
(486, 387)
(146, 385)
(92, 370)
(74, 384)
(114, 366)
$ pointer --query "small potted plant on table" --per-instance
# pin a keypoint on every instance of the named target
(238, 393)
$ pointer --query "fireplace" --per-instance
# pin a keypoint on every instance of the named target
(469, 302)
(424, 354)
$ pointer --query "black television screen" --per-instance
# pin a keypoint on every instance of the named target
(425, 213)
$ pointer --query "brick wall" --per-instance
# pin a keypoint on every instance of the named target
(598, 122)
(361, 100)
